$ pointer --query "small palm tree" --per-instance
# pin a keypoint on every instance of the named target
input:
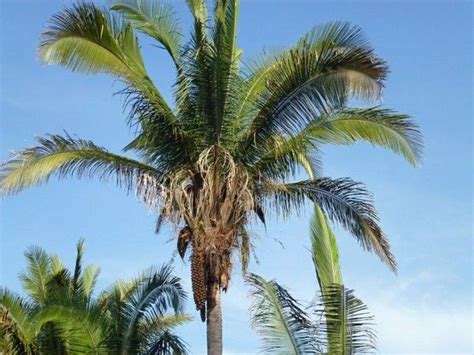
(235, 135)
(61, 316)
(338, 323)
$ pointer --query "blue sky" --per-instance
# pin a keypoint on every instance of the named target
(426, 211)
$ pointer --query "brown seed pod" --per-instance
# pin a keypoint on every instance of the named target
(199, 282)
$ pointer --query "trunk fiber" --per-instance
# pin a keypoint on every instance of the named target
(214, 320)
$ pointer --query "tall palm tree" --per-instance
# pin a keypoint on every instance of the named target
(61, 315)
(235, 135)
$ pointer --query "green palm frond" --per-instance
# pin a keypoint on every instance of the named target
(56, 264)
(377, 126)
(64, 156)
(324, 70)
(16, 331)
(89, 279)
(84, 38)
(82, 326)
(199, 11)
(283, 157)
(37, 274)
(157, 20)
(344, 201)
(76, 282)
(225, 67)
(165, 342)
(283, 325)
(87, 39)
(324, 250)
(347, 324)
(159, 292)
(158, 337)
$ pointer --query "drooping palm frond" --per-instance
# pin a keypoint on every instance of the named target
(158, 336)
(165, 343)
(285, 328)
(326, 68)
(377, 126)
(324, 250)
(81, 326)
(344, 201)
(157, 20)
(84, 38)
(159, 292)
(346, 325)
(64, 156)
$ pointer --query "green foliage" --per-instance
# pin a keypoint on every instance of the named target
(62, 316)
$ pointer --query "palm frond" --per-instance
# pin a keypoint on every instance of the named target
(283, 157)
(37, 274)
(89, 279)
(156, 19)
(165, 342)
(199, 11)
(15, 324)
(76, 282)
(64, 156)
(226, 81)
(158, 292)
(377, 126)
(347, 324)
(87, 39)
(344, 201)
(319, 75)
(324, 250)
(84, 38)
(283, 325)
(83, 326)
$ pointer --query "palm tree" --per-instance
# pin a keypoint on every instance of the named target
(235, 135)
(61, 316)
(338, 323)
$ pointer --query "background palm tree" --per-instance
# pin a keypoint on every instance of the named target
(235, 136)
(337, 323)
(62, 316)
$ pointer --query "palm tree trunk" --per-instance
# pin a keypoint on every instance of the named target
(214, 320)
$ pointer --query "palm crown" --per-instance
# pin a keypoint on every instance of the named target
(236, 134)
(62, 315)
